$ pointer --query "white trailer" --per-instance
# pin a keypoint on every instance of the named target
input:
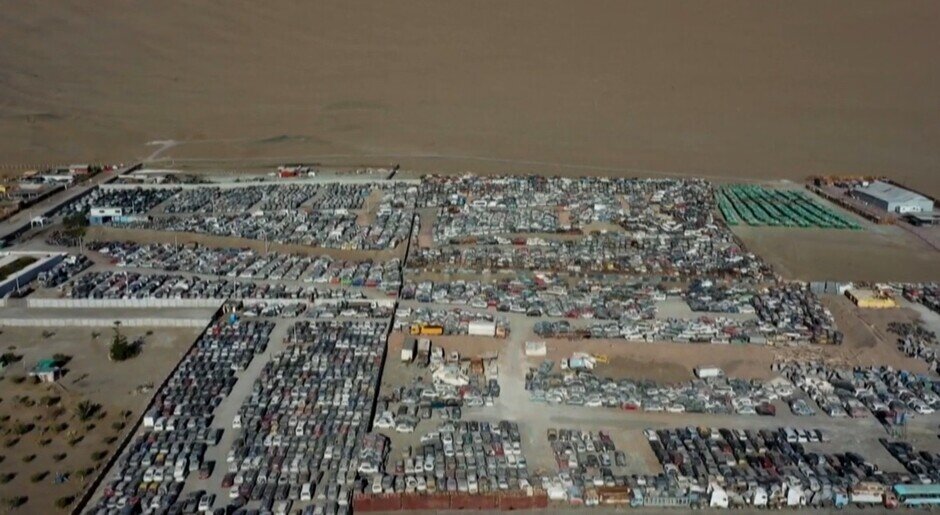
(481, 328)
(706, 372)
(535, 349)
(867, 493)
(408, 350)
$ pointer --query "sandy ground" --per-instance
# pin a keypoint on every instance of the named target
(90, 376)
(784, 89)
(867, 340)
(878, 253)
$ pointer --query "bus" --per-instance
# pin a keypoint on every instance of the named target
(917, 495)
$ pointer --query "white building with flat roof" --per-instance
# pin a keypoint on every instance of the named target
(893, 199)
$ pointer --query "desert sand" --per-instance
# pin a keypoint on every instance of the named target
(732, 89)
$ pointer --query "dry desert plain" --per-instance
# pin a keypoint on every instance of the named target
(731, 89)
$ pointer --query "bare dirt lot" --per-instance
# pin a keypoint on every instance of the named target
(783, 89)
(51, 447)
(877, 253)
(867, 340)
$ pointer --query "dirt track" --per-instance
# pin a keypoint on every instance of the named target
(738, 89)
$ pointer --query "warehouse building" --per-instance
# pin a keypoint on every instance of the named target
(892, 198)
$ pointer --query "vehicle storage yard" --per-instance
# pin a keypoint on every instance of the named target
(509, 354)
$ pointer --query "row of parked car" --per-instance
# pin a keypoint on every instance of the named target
(667, 227)
(300, 428)
(526, 191)
(924, 465)
(589, 298)
(917, 341)
(287, 197)
(268, 309)
(578, 386)
(345, 196)
(473, 457)
(891, 395)
(131, 201)
(703, 329)
(132, 285)
(70, 266)
(214, 199)
(927, 294)
(316, 229)
(767, 468)
(794, 310)
(276, 197)
(351, 308)
(719, 296)
(688, 253)
(585, 460)
(177, 427)
(457, 225)
(250, 264)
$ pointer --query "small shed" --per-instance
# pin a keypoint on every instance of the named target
(47, 370)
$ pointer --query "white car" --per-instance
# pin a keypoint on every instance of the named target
(205, 504)
(385, 421)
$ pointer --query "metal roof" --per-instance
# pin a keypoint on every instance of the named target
(46, 365)
(890, 193)
(917, 489)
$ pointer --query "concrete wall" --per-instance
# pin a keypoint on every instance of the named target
(124, 303)
(322, 180)
(24, 276)
(104, 322)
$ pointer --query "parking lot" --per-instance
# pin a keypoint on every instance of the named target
(552, 340)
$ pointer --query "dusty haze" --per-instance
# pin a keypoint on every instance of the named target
(725, 89)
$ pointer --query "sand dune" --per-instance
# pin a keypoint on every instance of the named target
(727, 89)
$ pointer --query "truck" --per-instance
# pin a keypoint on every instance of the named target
(408, 350)
(867, 492)
(424, 351)
(481, 328)
(426, 330)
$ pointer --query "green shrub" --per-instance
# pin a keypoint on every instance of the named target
(16, 502)
(85, 410)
